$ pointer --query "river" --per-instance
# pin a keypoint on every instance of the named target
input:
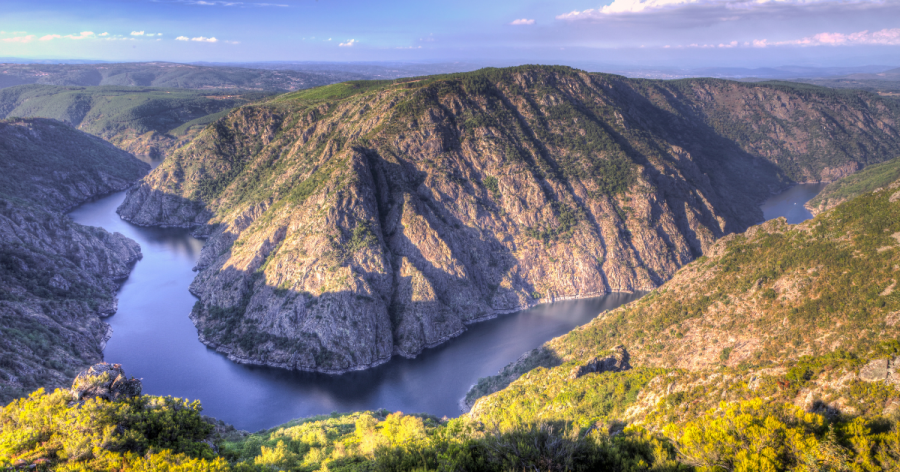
(155, 341)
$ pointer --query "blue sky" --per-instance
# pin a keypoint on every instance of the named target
(648, 32)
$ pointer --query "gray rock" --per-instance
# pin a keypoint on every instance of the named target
(106, 381)
(881, 370)
(615, 362)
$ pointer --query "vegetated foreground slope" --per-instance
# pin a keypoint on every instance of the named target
(866, 180)
(359, 220)
(147, 122)
(167, 74)
(57, 278)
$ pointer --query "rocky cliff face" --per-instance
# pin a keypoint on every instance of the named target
(57, 278)
(361, 220)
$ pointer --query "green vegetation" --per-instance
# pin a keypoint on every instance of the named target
(53, 431)
(866, 180)
(164, 433)
(122, 115)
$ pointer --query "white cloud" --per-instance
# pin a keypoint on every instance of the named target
(885, 37)
(103, 34)
(137, 33)
(232, 42)
(348, 44)
(724, 10)
(522, 21)
(182, 38)
(204, 39)
(82, 35)
(409, 47)
(19, 39)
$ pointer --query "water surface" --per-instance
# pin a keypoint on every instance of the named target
(154, 340)
(789, 203)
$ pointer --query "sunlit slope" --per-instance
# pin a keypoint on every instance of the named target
(359, 220)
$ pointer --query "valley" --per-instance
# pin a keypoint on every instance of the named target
(581, 252)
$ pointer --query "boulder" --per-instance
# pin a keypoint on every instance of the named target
(881, 370)
(106, 381)
(615, 362)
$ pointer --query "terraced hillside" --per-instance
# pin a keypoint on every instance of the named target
(360, 220)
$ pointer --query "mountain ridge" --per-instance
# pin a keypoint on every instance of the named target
(404, 202)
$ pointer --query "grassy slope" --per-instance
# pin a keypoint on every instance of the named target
(121, 114)
(866, 180)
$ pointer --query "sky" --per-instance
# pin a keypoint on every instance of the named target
(689, 33)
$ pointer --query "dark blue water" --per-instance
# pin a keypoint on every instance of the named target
(154, 340)
(789, 203)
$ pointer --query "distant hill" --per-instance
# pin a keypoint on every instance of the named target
(167, 74)
(886, 82)
(141, 120)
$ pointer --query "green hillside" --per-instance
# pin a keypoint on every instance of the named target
(146, 121)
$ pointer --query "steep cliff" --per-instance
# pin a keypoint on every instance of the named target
(57, 278)
(355, 221)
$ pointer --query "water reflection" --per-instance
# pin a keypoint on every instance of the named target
(154, 340)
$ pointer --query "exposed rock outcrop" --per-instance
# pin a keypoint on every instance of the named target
(105, 381)
(615, 362)
(881, 370)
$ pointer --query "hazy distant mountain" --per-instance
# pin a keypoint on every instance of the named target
(374, 70)
(167, 74)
